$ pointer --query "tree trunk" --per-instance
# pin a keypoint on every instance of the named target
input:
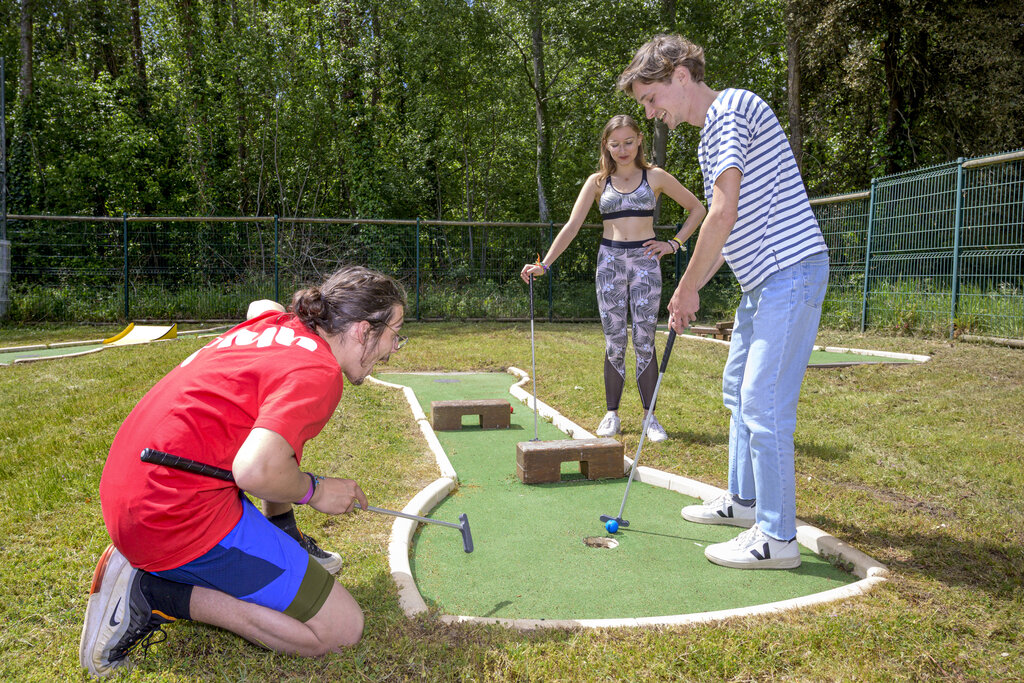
(25, 76)
(198, 127)
(659, 145)
(101, 26)
(796, 131)
(895, 122)
(541, 106)
(139, 62)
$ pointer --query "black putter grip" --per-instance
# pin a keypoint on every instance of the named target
(151, 455)
(668, 350)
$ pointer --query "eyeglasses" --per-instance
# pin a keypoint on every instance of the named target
(399, 340)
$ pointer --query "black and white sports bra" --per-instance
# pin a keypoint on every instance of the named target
(615, 204)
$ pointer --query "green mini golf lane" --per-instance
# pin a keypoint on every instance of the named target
(831, 359)
(530, 560)
(11, 356)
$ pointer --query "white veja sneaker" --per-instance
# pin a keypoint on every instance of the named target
(721, 510)
(655, 432)
(754, 549)
(609, 425)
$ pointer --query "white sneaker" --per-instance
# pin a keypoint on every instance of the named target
(609, 425)
(721, 510)
(754, 549)
(655, 432)
(330, 561)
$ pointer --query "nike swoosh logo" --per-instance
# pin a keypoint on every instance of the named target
(112, 622)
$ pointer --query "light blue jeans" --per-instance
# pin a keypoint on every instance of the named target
(772, 339)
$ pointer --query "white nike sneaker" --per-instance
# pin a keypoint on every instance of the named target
(609, 425)
(655, 432)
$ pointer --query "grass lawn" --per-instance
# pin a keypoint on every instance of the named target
(917, 465)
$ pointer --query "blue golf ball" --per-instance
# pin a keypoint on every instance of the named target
(612, 526)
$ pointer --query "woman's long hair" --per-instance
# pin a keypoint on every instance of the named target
(607, 165)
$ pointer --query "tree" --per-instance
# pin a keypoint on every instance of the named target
(25, 82)
(138, 61)
(659, 143)
(796, 135)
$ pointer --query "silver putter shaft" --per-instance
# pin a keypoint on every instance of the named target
(643, 432)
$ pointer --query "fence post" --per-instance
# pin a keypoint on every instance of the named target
(124, 243)
(3, 154)
(957, 222)
(867, 258)
(277, 268)
(5, 245)
(417, 267)
(551, 283)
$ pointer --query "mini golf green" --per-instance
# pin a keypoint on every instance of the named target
(822, 358)
(531, 561)
(9, 356)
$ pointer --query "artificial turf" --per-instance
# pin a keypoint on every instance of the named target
(531, 561)
(9, 356)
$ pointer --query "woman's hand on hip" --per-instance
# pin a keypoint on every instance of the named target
(657, 248)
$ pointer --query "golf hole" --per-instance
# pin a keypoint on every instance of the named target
(600, 542)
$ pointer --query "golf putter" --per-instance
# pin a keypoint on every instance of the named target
(155, 457)
(533, 358)
(643, 433)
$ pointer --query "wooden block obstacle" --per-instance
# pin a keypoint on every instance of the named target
(721, 330)
(540, 462)
(447, 415)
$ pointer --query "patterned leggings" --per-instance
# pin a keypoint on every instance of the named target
(627, 279)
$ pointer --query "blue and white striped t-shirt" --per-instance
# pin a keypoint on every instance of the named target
(775, 226)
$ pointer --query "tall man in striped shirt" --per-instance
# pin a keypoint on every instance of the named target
(760, 222)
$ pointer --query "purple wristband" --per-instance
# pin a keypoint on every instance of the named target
(311, 491)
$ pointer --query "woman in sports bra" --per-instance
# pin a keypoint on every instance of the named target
(626, 189)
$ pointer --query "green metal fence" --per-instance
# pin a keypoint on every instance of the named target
(188, 268)
(939, 250)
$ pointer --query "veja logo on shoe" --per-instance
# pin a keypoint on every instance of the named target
(284, 336)
(767, 553)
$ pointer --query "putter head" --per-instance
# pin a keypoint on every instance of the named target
(622, 522)
(467, 536)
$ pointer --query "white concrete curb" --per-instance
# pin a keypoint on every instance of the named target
(563, 423)
(402, 530)
(870, 571)
(917, 358)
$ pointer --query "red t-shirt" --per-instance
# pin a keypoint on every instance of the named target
(269, 372)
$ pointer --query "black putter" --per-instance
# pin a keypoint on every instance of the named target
(647, 419)
(533, 357)
(176, 462)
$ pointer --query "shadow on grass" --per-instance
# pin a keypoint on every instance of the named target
(996, 569)
(686, 436)
(840, 453)
(478, 428)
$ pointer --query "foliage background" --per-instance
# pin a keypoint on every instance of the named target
(435, 108)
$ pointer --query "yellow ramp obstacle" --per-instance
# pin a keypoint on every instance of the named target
(142, 334)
